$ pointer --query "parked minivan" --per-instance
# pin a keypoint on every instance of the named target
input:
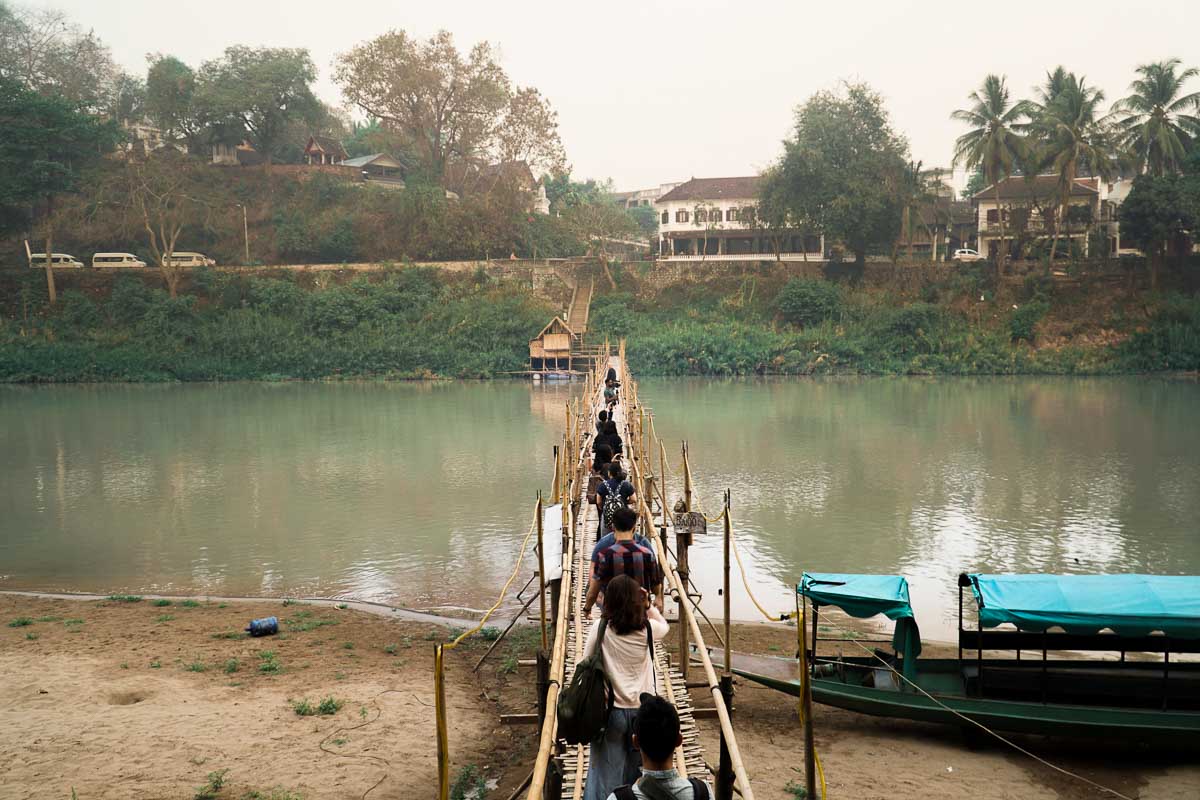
(104, 260)
(186, 259)
(57, 260)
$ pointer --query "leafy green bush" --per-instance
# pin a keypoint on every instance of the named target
(807, 302)
(1025, 319)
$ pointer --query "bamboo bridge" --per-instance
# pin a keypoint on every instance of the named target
(560, 770)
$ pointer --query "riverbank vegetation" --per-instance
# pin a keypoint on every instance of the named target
(958, 324)
(403, 323)
(423, 322)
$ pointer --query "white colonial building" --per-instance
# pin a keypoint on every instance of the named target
(712, 218)
(643, 197)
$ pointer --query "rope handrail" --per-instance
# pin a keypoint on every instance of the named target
(680, 590)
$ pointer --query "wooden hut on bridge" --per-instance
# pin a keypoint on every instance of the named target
(550, 350)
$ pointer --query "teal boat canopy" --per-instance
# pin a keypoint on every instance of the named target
(1129, 605)
(866, 596)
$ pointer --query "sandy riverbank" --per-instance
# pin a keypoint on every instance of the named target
(108, 698)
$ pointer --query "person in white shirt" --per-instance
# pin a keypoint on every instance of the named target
(633, 627)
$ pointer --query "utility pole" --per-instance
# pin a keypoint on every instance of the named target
(245, 232)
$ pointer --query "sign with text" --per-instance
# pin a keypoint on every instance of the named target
(690, 523)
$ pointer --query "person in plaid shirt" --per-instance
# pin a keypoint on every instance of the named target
(624, 556)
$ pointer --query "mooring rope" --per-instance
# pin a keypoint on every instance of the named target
(989, 731)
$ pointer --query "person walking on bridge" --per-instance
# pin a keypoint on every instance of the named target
(625, 556)
(632, 628)
(613, 494)
(656, 735)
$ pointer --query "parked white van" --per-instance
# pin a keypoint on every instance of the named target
(104, 260)
(186, 259)
(57, 261)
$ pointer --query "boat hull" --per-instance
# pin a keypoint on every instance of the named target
(1177, 727)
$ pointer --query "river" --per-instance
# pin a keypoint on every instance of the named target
(419, 493)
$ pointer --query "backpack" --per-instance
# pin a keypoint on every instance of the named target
(583, 706)
(699, 790)
(612, 501)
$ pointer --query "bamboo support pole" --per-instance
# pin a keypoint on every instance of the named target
(443, 743)
(541, 574)
(714, 685)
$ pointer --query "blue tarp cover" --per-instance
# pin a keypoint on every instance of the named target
(858, 595)
(866, 596)
(1130, 605)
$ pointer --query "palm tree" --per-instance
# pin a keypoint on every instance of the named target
(1072, 137)
(1153, 122)
(994, 143)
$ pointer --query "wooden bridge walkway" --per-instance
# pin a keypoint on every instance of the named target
(571, 628)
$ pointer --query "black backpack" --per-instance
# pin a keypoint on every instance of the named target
(583, 706)
(699, 790)
(612, 501)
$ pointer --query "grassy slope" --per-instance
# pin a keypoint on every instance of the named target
(423, 323)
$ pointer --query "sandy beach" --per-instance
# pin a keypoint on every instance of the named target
(114, 699)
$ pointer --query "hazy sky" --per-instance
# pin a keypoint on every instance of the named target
(653, 91)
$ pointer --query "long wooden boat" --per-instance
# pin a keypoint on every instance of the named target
(1119, 697)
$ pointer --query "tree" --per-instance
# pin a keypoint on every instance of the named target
(708, 218)
(1157, 123)
(994, 144)
(915, 191)
(529, 132)
(260, 91)
(841, 168)
(171, 99)
(598, 223)
(43, 51)
(1072, 139)
(563, 192)
(446, 104)
(47, 141)
(976, 183)
(164, 194)
(1158, 210)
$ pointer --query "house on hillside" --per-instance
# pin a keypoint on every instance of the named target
(143, 137)
(714, 218)
(476, 177)
(378, 168)
(643, 197)
(234, 155)
(324, 151)
(1027, 206)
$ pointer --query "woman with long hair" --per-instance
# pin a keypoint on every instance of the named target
(632, 629)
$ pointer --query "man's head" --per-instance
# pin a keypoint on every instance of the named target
(624, 519)
(604, 416)
(656, 731)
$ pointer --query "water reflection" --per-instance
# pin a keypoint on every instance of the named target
(420, 493)
(930, 477)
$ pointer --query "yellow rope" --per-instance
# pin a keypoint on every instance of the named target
(802, 648)
(746, 581)
(507, 584)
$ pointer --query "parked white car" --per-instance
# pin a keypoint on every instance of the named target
(57, 261)
(186, 259)
(967, 254)
(106, 260)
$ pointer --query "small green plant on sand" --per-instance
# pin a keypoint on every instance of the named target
(326, 707)
(124, 665)
(347, 645)
(209, 791)
(468, 784)
(268, 663)
(231, 666)
(162, 602)
(229, 635)
(31, 636)
(342, 606)
(508, 666)
(125, 598)
(156, 664)
(195, 666)
(48, 619)
(278, 793)
(21, 622)
(164, 618)
(69, 622)
(796, 791)
(189, 603)
(390, 649)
